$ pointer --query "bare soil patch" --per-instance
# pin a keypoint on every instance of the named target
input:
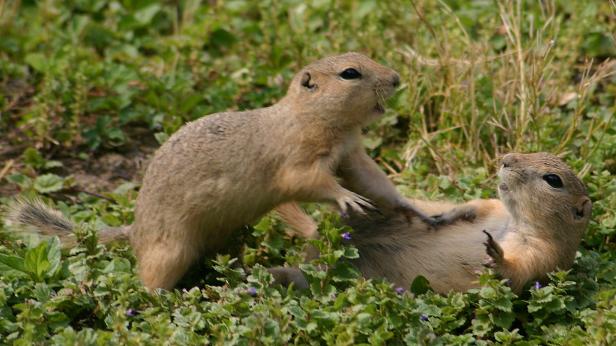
(98, 173)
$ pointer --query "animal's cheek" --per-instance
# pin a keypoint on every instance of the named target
(361, 100)
(368, 97)
(531, 199)
(523, 176)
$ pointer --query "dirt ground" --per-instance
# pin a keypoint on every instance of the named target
(101, 172)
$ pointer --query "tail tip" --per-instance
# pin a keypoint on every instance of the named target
(34, 213)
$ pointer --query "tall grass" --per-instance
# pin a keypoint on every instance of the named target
(491, 102)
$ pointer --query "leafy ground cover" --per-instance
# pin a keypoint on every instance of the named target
(89, 88)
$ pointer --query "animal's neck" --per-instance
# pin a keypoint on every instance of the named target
(300, 129)
(316, 115)
(562, 236)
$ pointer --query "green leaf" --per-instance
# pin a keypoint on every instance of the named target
(351, 252)
(365, 8)
(37, 61)
(52, 164)
(312, 272)
(48, 183)
(420, 285)
(146, 14)
(20, 180)
(33, 158)
(115, 136)
(111, 220)
(598, 44)
(503, 319)
(372, 142)
(221, 38)
(14, 262)
(36, 262)
(344, 271)
(503, 303)
(54, 256)
(161, 137)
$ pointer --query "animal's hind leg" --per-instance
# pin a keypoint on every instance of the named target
(163, 265)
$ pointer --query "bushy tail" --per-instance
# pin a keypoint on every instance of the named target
(34, 215)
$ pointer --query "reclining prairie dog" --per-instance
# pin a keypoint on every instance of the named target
(535, 228)
(226, 170)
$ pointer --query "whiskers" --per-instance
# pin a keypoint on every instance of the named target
(381, 94)
(512, 177)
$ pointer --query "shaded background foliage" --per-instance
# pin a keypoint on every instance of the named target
(90, 83)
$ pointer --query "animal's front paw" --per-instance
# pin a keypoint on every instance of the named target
(463, 213)
(434, 222)
(467, 213)
(354, 201)
(437, 220)
(494, 251)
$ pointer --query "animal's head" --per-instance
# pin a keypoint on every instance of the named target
(542, 191)
(349, 89)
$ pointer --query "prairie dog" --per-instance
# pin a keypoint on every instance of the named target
(535, 228)
(226, 170)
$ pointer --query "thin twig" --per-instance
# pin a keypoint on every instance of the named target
(6, 168)
(94, 194)
(410, 53)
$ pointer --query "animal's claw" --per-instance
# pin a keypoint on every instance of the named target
(493, 249)
(489, 262)
(356, 202)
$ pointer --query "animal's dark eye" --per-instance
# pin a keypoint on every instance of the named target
(553, 180)
(350, 73)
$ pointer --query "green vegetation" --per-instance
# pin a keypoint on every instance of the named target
(82, 81)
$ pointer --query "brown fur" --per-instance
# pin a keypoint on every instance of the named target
(226, 170)
(300, 223)
(537, 227)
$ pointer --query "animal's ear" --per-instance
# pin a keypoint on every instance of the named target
(307, 81)
(582, 209)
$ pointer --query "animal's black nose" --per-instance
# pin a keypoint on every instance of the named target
(396, 81)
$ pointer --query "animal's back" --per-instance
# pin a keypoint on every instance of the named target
(200, 176)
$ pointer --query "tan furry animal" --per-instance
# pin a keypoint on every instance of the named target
(535, 228)
(226, 170)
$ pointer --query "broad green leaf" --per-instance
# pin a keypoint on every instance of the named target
(14, 262)
(38, 61)
(36, 262)
(145, 15)
(48, 183)
(54, 256)
(420, 285)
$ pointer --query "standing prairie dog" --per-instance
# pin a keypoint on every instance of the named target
(535, 228)
(226, 170)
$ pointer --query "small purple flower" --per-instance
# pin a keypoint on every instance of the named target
(423, 317)
(252, 291)
(399, 290)
(130, 312)
(508, 282)
(537, 285)
(346, 236)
